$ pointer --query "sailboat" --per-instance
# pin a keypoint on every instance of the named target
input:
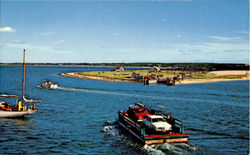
(20, 109)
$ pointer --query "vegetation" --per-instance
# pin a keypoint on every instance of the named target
(127, 74)
(185, 66)
(204, 76)
(213, 76)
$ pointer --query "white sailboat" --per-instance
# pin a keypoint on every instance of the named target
(20, 109)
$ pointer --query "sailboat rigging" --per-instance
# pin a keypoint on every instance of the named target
(19, 110)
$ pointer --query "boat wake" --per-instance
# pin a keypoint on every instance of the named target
(109, 129)
(169, 149)
(133, 95)
(92, 91)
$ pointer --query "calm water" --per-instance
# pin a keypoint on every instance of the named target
(72, 118)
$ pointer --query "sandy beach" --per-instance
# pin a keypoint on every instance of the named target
(218, 74)
(244, 74)
(191, 81)
(78, 75)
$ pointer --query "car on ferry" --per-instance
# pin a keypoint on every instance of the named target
(157, 123)
(138, 112)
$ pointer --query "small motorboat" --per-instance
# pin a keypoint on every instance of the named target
(49, 85)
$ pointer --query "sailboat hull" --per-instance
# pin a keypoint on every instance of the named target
(15, 114)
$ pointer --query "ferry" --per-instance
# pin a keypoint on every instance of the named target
(150, 126)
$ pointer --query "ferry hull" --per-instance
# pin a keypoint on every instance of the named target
(162, 141)
(156, 139)
(173, 138)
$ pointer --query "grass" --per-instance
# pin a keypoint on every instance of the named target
(204, 76)
(213, 76)
(127, 74)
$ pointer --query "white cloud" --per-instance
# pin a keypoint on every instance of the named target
(16, 41)
(214, 52)
(179, 36)
(171, 0)
(211, 47)
(115, 34)
(46, 33)
(59, 41)
(184, 52)
(38, 48)
(242, 32)
(220, 38)
(163, 19)
(7, 29)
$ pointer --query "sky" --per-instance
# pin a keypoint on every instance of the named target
(113, 31)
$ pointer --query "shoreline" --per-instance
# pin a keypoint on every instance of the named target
(209, 81)
(99, 78)
(186, 81)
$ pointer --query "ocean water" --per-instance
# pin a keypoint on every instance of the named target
(72, 119)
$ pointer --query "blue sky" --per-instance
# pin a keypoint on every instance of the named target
(125, 31)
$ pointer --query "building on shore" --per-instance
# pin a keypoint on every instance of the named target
(155, 69)
(119, 69)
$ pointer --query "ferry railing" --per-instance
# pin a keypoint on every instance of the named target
(177, 124)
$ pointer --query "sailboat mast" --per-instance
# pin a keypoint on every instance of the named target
(23, 92)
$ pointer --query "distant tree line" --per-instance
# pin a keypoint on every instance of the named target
(177, 66)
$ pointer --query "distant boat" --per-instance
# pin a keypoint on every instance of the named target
(148, 80)
(49, 85)
(19, 109)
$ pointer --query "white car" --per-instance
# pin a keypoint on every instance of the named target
(157, 123)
